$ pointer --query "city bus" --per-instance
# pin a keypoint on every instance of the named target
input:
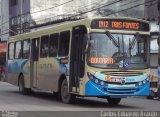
(94, 57)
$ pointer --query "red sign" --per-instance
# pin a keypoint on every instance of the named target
(3, 47)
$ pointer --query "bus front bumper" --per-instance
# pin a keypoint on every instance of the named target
(121, 91)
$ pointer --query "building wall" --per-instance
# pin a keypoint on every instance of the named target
(4, 17)
(151, 11)
(125, 9)
(15, 10)
(44, 11)
(57, 9)
(19, 16)
(151, 14)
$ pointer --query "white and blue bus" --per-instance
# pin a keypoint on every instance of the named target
(93, 57)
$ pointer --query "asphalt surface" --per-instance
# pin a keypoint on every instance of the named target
(46, 103)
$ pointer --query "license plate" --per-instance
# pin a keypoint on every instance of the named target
(116, 79)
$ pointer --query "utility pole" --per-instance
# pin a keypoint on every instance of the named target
(158, 6)
(21, 27)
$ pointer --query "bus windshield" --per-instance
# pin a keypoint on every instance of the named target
(128, 51)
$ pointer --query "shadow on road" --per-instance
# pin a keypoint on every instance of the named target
(79, 101)
(100, 103)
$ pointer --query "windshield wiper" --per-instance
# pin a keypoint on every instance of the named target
(133, 42)
(113, 39)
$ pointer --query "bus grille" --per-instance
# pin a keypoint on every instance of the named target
(122, 73)
(121, 90)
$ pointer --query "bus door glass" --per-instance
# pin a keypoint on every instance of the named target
(35, 56)
(77, 58)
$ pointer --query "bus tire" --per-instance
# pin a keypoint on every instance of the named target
(152, 94)
(113, 101)
(21, 85)
(66, 97)
(158, 92)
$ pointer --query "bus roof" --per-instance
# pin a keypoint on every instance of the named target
(68, 24)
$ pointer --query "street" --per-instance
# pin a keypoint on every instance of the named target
(11, 100)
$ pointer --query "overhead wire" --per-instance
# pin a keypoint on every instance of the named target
(109, 5)
(89, 10)
(41, 10)
(130, 7)
(99, 8)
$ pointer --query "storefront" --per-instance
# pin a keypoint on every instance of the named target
(3, 50)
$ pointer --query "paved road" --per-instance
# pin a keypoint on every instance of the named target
(11, 100)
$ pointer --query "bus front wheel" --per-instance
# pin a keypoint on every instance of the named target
(113, 101)
(66, 97)
(21, 85)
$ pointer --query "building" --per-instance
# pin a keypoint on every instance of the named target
(30, 13)
(125, 8)
(151, 14)
(4, 32)
(151, 10)
(4, 18)
(19, 13)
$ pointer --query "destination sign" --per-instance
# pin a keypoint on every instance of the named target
(120, 24)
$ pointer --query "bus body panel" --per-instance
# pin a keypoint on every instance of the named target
(16, 68)
(49, 71)
(93, 89)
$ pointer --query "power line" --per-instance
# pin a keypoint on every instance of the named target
(52, 7)
(130, 7)
(124, 5)
(105, 6)
(48, 9)
(100, 7)
(86, 6)
(66, 12)
(130, 2)
(4, 33)
(41, 10)
(87, 10)
(109, 5)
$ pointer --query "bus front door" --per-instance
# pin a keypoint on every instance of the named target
(77, 58)
(35, 56)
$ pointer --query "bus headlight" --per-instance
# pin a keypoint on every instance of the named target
(142, 82)
(145, 81)
(102, 83)
(95, 80)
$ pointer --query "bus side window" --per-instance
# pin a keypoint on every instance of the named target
(64, 43)
(26, 49)
(53, 45)
(44, 46)
(18, 50)
(11, 51)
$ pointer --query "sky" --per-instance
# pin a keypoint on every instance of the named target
(57, 8)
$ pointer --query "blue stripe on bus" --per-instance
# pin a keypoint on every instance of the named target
(17, 66)
(93, 89)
